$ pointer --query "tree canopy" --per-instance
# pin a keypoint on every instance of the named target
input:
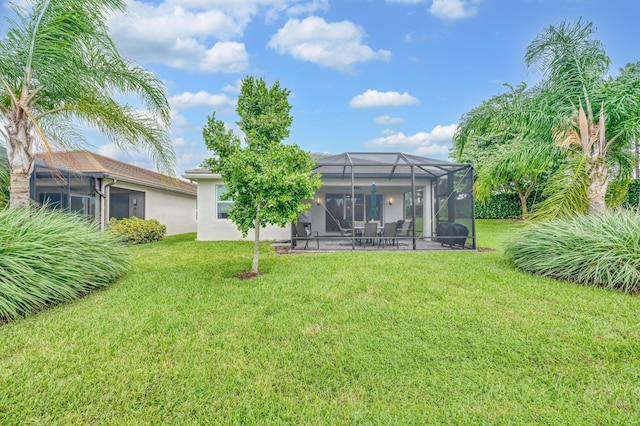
(580, 117)
(58, 67)
(266, 179)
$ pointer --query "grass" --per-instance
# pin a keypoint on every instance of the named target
(49, 257)
(601, 250)
(336, 338)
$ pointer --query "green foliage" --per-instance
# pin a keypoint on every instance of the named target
(134, 230)
(633, 196)
(334, 338)
(266, 179)
(565, 193)
(577, 106)
(504, 205)
(598, 249)
(4, 184)
(59, 67)
(48, 257)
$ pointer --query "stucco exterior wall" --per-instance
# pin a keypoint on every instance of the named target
(177, 211)
(210, 228)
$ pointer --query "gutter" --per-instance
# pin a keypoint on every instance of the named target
(103, 195)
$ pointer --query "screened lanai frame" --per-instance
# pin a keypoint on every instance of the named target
(451, 183)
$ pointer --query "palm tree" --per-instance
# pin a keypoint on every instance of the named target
(507, 138)
(596, 117)
(59, 67)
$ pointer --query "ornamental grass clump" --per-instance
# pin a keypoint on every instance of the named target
(48, 257)
(600, 250)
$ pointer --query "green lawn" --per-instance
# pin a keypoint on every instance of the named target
(336, 338)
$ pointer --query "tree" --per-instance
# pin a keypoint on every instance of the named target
(266, 179)
(58, 67)
(596, 117)
(590, 117)
(497, 138)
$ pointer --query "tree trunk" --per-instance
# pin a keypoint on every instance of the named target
(20, 159)
(523, 203)
(598, 183)
(19, 194)
(524, 195)
(256, 244)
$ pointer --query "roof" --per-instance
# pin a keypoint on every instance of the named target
(370, 165)
(384, 165)
(90, 163)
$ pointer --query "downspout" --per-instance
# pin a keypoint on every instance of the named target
(413, 206)
(103, 195)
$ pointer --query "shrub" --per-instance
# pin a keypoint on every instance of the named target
(601, 250)
(49, 257)
(505, 205)
(137, 231)
(632, 196)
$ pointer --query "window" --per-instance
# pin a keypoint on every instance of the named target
(338, 209)
(222, 206)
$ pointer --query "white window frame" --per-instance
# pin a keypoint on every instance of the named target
(220, 189)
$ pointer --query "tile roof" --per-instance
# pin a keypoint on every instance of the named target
(89, 162)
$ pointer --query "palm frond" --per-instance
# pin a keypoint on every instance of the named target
(566, 191)
(62, 53)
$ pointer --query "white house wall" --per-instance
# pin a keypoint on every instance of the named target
(210, 228)
(176, 210)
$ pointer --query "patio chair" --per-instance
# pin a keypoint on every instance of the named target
(303, 235)
(406, 229)
(389, 233)
(370, 233)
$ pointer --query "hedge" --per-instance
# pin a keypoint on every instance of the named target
(632, 196)
(507, 205)
(502, 206)
(134, 230)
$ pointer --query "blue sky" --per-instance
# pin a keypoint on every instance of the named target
(364, 75)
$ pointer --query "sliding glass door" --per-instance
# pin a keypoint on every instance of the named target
(339, 210)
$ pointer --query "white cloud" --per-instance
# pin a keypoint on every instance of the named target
(436, 142)
(188, 100)
(308, 8)
(178, 120)
(233, 88)
(373, 98)
(109, 150)
(172, 34)
(334, 45)
(182, 142)
(228, 57)
(454, 9)
(387, 120)
(405, 1)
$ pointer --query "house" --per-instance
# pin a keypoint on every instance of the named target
(213, 223)
(359, 187)
(102, 188)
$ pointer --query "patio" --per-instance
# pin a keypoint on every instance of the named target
(433, 197)
(339, 243)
